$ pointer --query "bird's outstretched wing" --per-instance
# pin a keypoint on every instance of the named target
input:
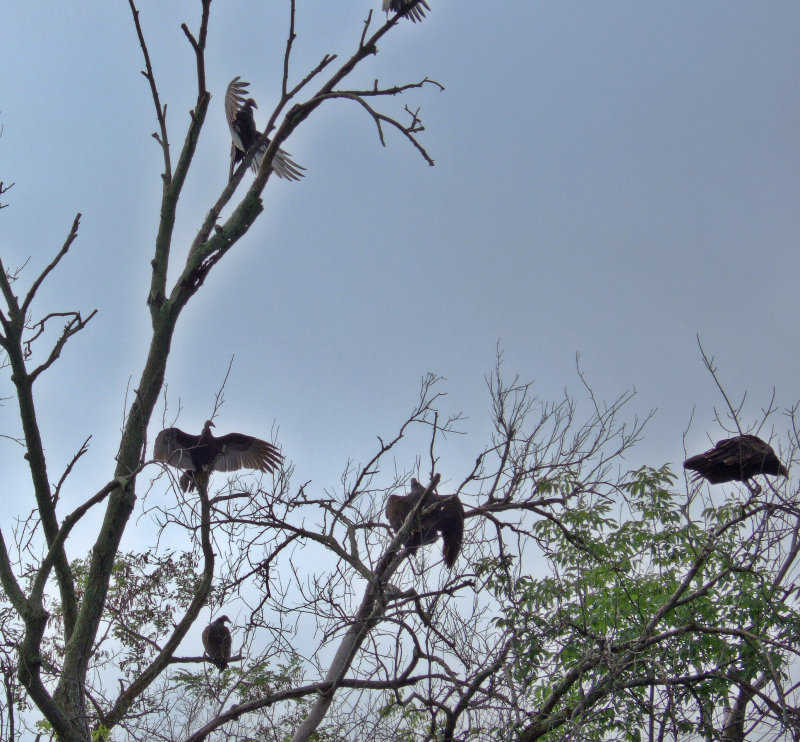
(417, 13)
(282, 164)
(235, 96)
(173, 446)
(239, 451)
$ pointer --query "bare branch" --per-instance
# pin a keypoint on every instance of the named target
(161, 111)
(71, 237)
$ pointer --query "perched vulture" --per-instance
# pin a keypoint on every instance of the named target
(440, 514)
(199, 455)
(239, 112)
(739, 458)
(217, 642)
(417, 13)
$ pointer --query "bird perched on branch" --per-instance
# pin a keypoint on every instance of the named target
(417, 13)
(239, 112)
(199, 455)
(440, 514)
(217, 642)
(736, 459)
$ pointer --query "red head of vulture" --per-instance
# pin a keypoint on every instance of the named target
(239, 112)
(199, 455)
(440, 514)
(217, 642)
(736, 459)
(414, 12)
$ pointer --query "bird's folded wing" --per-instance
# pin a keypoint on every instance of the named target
(397, 509)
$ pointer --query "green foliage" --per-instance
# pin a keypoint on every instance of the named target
(632, 602)
(146, 593)
(246, 683)
(410, 720)
(44, 727)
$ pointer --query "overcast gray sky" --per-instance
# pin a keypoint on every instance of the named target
(611, 179)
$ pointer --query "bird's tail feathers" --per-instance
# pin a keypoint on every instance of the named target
(191, 479)
(451, 545)
(452, 536)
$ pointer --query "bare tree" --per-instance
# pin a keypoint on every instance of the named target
(65, 704)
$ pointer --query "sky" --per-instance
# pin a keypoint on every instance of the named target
(612, 180)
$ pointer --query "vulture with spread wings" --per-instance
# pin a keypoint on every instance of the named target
(736, 459)
(239, 112)
(417, 13)
(440, 514)
(199, 455)
(217, 642)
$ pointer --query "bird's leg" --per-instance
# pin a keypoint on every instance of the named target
(754, 487)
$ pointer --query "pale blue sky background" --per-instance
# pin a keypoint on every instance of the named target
(612, 178)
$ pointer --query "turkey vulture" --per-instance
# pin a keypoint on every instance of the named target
(217, 642)
(736, 459)
(201, 454)
(239, 112)
(417, 13)
(440, 514)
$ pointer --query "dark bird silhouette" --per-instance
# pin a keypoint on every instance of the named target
(440, 514)
(417, 13)
(217, 642)
(199, 455)
(736, 459)
(239, 112)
